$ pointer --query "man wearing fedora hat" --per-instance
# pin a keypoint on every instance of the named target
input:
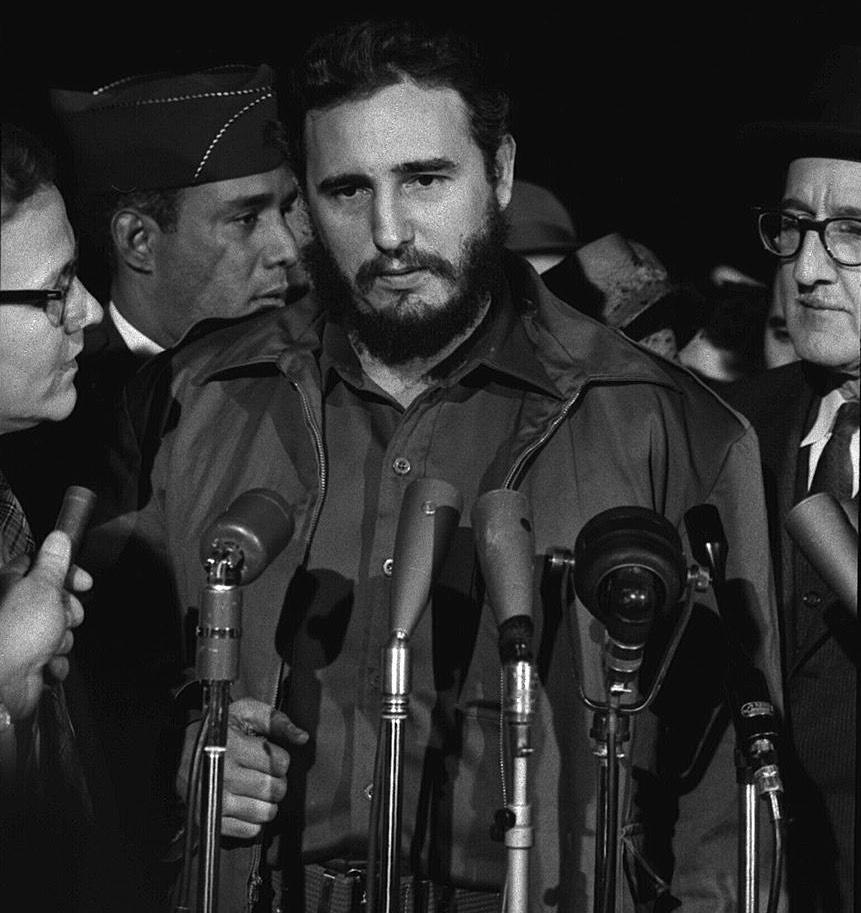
(806, 416)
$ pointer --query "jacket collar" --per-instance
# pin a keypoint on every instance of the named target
(573, 349)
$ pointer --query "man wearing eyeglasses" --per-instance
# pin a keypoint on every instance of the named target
(806, 416)
(46, 810)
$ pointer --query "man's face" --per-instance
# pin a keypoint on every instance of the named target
(821, 298)
(401, 202)
(37, 357)
(230, 253)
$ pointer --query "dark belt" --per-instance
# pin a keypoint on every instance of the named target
(341, 890)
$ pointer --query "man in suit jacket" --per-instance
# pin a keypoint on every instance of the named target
(798, 410)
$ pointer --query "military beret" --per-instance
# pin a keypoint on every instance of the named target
(158, 132)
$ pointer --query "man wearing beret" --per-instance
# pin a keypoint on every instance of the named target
(182, 191)
(806, 416)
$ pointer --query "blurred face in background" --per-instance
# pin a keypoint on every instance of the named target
(777, 343)
(822, 298)
(37, 348)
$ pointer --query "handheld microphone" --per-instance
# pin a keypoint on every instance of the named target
(504, 538)
(821, 528)
(75, 513)
(628, 568)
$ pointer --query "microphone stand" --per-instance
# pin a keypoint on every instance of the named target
(218, 635)
(610, 731)
(387, 798)
(505, 543)
(519, 709)
(429, 515)
(753, 715)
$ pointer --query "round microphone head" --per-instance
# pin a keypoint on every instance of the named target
(259, 524)
(628, 565)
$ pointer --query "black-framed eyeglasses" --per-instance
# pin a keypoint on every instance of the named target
(40, 298)
(783, 234)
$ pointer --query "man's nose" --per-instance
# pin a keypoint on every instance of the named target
(813, 263)
(281, 248)
(82, 309)
(392, 225)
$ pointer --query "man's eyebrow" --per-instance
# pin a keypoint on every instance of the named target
(255, 201)
(848, 211)
(425, 165)
(67, 270)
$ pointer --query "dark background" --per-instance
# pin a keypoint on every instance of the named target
(631, 119)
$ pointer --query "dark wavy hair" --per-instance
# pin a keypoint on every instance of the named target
(27, 165)
(358, 59)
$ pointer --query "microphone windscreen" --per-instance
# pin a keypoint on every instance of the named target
(505, 542)
(430, 512)
(821, 529)
(627, 540)
(259, 523)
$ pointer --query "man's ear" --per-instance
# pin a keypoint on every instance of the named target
(505, 170)
(133, 235)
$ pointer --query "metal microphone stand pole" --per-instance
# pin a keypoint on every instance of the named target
(384, 895)
(519, 836)
(217, 666)
(749, 838)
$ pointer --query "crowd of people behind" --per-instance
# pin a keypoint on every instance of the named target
(332, 295)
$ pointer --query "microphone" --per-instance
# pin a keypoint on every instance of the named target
(628, 568)
(820, 527)
(430, 512)
(502, 526)
(235, 549)
(753, 713)
(249, 535)
(75, 513)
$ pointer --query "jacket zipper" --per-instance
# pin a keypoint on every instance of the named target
(254, 879)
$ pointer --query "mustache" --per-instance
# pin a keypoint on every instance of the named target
(371, 270)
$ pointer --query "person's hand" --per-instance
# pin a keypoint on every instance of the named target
(255, 765)
(37, 614)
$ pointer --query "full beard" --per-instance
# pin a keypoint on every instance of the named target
(406, 330)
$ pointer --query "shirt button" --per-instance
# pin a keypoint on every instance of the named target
(388, 566)
(368, 792)
(812, 599)
(401, 465)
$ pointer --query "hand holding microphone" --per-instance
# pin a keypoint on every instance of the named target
(38, 610)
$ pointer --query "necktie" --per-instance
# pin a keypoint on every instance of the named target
(15, 536)
(834, 469)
